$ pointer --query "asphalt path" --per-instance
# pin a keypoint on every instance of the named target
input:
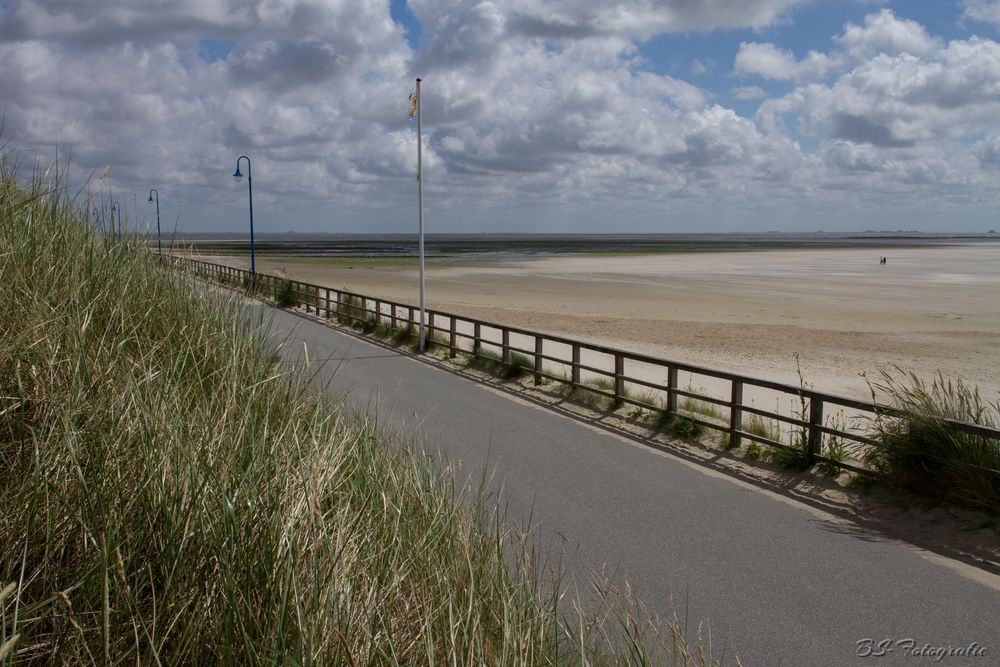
(771, 580)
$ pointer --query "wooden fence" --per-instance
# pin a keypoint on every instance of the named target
(544, 355)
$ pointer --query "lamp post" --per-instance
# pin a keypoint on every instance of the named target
(116, 207)
(420, 199)
(239, 177)
(159, 249)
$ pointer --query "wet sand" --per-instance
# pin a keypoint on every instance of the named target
(927, 309)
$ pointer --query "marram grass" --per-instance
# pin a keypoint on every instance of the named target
(923, 452)
(168, 495)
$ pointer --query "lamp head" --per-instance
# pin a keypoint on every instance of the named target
(151, 198)
(238, 176)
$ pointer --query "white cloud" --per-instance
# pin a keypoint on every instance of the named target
(527, 105)
(770, 62)
(101, 79)
(987, 151)
(904, 126)
(748, 92)
(984, 11)
(576, 19)
(884, 32)
(900, 100)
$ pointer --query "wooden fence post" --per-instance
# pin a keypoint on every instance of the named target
(538, 359)
(736, 414)
(619, 379)
(815, 422)
(672, 391)
(477, 334)
(505, 345)
(452, 336)
(575, 372)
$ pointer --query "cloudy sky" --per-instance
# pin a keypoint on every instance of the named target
(540, 115)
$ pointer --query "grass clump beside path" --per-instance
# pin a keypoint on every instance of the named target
(922, 451)
(168, 495)
(493, 363)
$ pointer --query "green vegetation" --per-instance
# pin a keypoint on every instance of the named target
(685, 427)
(583, 394)
(353, 313)
(579, 393)
(408, 335)
(834, 447)
(762, 427)
(700, 407)
(765, 427)
(836, 451)
(284, 294)
(493, 363)
(726, 442)
(642, 414)
(437, 343)
(923, 452)
(796, 458)
(168, 495)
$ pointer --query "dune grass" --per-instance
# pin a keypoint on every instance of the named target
(493, 363)
(284, 294)
(170, 495)
(923, 452)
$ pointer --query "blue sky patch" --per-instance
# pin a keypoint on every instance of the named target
(401, 14)
(211, 50)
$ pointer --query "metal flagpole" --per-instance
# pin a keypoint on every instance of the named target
(420, 197)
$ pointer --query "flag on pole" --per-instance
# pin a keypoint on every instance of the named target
(413, 104)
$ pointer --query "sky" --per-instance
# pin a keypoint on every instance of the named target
(551, 116)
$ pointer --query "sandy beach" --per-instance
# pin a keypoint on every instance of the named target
(840, 310)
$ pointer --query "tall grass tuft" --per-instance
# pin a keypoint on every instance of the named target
(353, 313)
(493, 363)
(284, 293)
(925, 453)
(168, 495)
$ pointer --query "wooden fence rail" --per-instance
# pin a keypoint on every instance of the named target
(450, 331)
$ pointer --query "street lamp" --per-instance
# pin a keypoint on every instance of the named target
(159, 249)
(239, 177)
(116, 207)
